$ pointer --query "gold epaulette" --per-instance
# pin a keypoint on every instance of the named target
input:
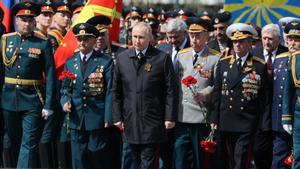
(259, 60)
(40, 35)
(118, 44)
(297, 52)
(184, 50)
(283, 55)
(214, 52)
(9, 34)
(226, 57)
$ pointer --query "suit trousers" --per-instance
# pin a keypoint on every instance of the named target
(140, 156)
(282, 145)
(187, 139)
(89, 149)
(22, 136)
(263, 149)
(237, 149)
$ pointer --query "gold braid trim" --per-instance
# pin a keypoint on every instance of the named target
(293, 69)
(6, 61)
(39, 93)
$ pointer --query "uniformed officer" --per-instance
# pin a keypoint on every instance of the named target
(221, 42)
(198, 61)
(61, 20)
(76, 7)
(239, 98)
(26, 99)
(46, 147)
(183, 14)
(291, 99)
(87, 98)
(282, 23)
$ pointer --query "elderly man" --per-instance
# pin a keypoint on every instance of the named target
(239, 98)
(87, 98)
(143, 98)
(290, 109)
(178, 39)
(198, 61)
(276, 57)
(26, 98)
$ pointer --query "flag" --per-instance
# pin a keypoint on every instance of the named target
(110, 8)
(261, 12)
(6, 5)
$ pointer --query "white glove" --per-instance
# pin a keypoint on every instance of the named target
(288, 128)
(46, 113)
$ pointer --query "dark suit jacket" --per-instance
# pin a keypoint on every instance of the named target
(168, 48)
(260, 51)
(232, 111)
(143, 95)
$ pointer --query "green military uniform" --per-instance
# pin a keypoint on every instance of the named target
(291, 91)
(90, 98)
(24, 96)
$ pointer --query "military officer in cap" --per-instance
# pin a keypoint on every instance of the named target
(61, 21)
(26, 98)
(239, 96)
(282, 23)
(87, 99)
(77, 8)
(46, 147)
(221, 42)
(200, 62)
(291, 91)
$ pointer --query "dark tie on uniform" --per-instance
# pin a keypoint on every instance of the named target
(270, 64)
(195, 58)
(84, 64)
(239, 63)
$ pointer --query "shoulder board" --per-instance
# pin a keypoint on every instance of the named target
(40, 35)
(259, 60)
(10, 34)
(184, 50)
(283, 55)
(297, 52)
(119, 45)
(214, 52)
(227, 57)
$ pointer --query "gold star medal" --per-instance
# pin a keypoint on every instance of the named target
(148, 67)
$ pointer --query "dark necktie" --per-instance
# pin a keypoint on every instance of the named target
(270, 64)
(140, 55)
(177, 49)
(239, 63)
(195, 58)
(84, 64)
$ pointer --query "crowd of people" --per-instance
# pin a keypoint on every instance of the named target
(174, 79)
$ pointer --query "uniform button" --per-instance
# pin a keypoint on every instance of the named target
(281, 87)
(84, 105)
(18, 76)
(185, 93)
(280, 96)
(21, 48)
(22, 40)
(84, 90)
(242, 108)
(230, 106)
(242, 100)
(17, 86)
(185, 100)
(283, 78)
(279, 105)
(19, 66)
(231, 98)
(20, 57)
(231, 91)
(83, 84)
(84, 98)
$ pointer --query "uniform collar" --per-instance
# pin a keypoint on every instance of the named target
(88, 55)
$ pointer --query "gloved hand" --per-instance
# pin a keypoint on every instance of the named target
(288, 128)
(46, 113)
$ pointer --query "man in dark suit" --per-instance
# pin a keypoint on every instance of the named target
(143, 98)
(87, 98)
(239, 98)
(276, 64)
(178, 40)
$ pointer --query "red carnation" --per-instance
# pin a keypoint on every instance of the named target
(288, 161)
(209, 145)
(66, 74)
(189, 80)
